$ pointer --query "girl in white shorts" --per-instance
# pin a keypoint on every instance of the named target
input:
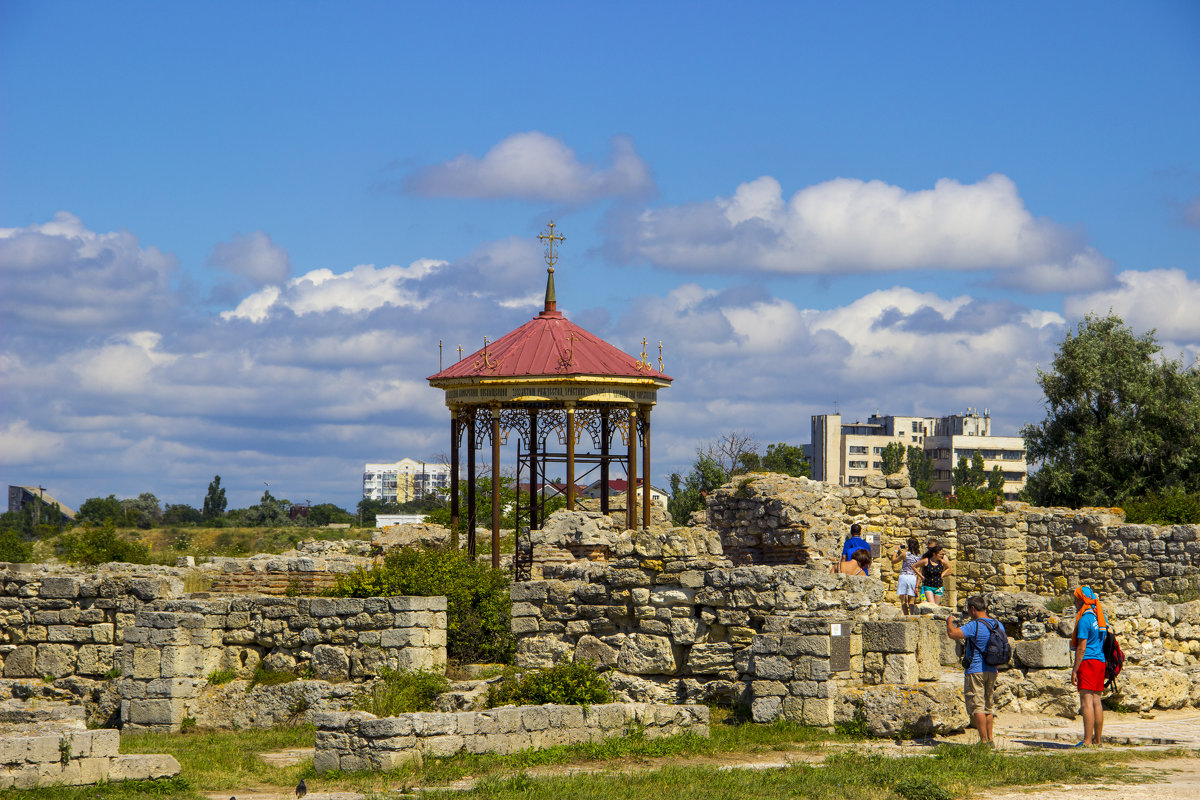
(906, 586)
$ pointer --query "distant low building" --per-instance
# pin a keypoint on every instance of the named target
(621, 486)
(404, 481)
(847, 452)
(18, 496)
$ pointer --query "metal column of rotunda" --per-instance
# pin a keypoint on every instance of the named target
(550, 376)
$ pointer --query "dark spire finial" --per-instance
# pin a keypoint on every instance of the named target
(551, 259)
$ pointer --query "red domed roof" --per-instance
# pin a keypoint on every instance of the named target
(549, 345)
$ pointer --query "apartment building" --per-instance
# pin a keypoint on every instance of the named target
(847, 452)
(404, 481)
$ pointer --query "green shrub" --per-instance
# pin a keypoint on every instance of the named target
(1163, 508)
(1059, 604)
(270, 677)
(478, 603)
(13, 547)
(399, 692)
(220, 676)
(569, 684)
(100, 546)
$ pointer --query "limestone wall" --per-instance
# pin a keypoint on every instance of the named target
(174, 645)
(357, 741)
(55, 622)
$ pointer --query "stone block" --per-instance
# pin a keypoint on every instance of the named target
(775, 668)
(900, 668)
(929, 649)
(326, 761)
(1046, 653)
(766, 709)
(21, 662)
(60, 587)
(818, 711)
(55, 659)
(710, 659)
(890, 637)
(142, 767)
(441, 746)
(644, 654)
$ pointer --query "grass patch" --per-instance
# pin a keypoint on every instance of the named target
(220, 676)
(173, 788)
(227, 760)
(399, 692)
(952, 771)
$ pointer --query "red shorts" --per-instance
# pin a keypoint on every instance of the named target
(1091, 675)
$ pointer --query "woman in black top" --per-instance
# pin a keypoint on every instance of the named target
(933, 567)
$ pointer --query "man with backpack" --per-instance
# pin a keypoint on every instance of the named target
(1088, 672)
(986, 647)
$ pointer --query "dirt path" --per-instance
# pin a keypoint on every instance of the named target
(1174, 779)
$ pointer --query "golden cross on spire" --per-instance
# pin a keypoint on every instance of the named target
(550, 239)
(660, 361)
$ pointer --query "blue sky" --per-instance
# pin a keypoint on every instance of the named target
(232, 234)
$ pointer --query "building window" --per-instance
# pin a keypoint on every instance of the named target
(877, 465)
(916, 427)
(857, 465)
(877, 450)
(858, 450)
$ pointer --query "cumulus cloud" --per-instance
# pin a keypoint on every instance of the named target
(1164, 299)
(535, 166)
(846, 225)
(59, 276)
(22, 444)
(254, 257)
(362, 289)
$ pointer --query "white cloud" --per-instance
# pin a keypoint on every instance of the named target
(1164, 299)
(60, 276)
(21, 444)
(362, 289)
(538, 167)
(253, 256)
(847, 225)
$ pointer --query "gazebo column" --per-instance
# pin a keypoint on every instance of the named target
(454, 430)
(605, 433)
(495, 487)
(631, 473)
(645, 466)
(471, 520)
(533, 470)
(570, 456)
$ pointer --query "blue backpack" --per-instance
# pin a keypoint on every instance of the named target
(996, 652)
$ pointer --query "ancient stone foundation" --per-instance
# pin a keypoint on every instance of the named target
(42, 748)
(357, 741)
(174, 646)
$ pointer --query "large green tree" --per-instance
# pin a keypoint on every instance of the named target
(920, 469)
(1121, 422)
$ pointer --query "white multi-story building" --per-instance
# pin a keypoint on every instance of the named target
(404, 481)
(847, 452)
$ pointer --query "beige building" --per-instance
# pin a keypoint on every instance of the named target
(404, 480)
(847, 452)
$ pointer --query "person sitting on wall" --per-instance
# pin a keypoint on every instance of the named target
(857, 564)
(852, 545)
(934, 567)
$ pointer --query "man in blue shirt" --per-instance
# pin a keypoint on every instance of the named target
(854, 543)
(979, 679)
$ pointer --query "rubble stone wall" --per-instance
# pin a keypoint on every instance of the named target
(667, 614)
(175, 645)
(357, 741)
(771, 519)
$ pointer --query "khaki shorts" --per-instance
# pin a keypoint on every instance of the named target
(977, 691)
